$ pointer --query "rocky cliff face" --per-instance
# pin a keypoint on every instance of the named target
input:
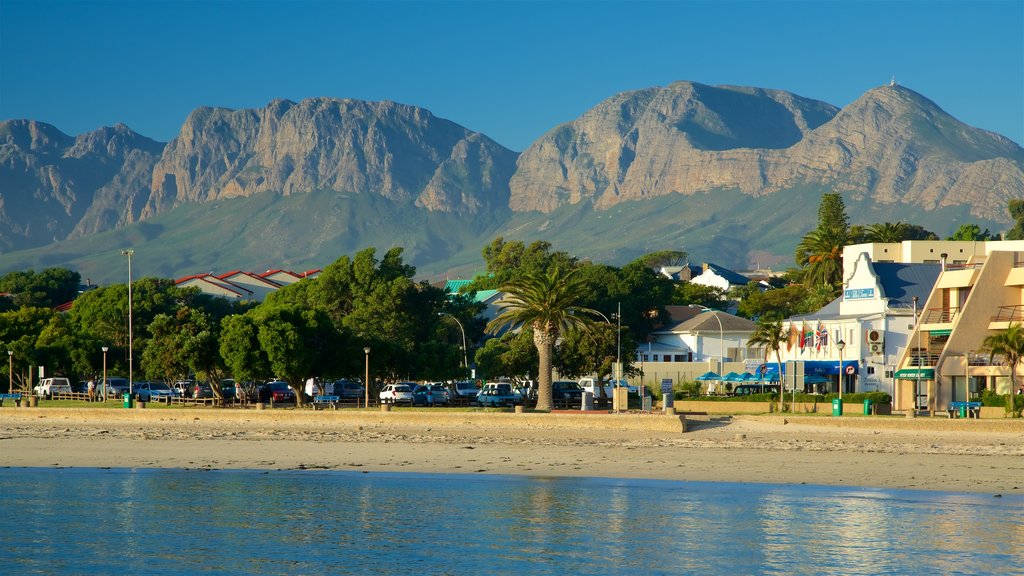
(400, 152)
(53, 186)
(891, 146)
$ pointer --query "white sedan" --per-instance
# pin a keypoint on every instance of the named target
(400, 393)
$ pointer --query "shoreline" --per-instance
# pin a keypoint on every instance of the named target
(893, 453)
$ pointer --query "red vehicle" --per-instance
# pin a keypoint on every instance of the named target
(276, 391)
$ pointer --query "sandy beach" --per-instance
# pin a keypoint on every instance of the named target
(984, 456)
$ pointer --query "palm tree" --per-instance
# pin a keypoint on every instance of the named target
(820, 252)
(887, 232)
(1010, 345)
(545, 302)
(772, 336)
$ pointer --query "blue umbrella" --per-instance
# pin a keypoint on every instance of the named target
(708, 376)
(733, 377)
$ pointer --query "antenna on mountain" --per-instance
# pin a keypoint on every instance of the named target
(893, 82)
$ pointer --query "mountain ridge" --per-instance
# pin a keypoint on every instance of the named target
(892, 153)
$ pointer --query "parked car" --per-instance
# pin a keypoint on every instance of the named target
(201, 390)
(183, 387)
(276, 391)
(566, 393)
(47, 387)
(114, 388)
(153, 391)
(465, 390)
(497, 394)
(227, 389)
(748, 389)
(400, 393)
(346, 389)
(430, 395)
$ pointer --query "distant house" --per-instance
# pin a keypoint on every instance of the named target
(258, 285)
(716, 276)
(214, 286)
(695, 334)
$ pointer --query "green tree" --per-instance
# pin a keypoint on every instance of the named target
(779, 302)
(1016, 209)
(886, 232)
(162, 359)
(1009, 344)
(299, 343)
(690, 294)
(19, 332)
(546, 303)
(240, 348)
(770, 334)
(49, 288)
(512, 355)
(508, 261)
(65, 351)
(971, 232)
(584, 352)
(832, 212)
(820, 252)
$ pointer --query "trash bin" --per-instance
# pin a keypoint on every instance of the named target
(127, 400)
(588, 401)
(867, 407)
(963, 411)
(837, 407)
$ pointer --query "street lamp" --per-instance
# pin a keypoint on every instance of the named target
(10, 370)
(105, 373)
(129, 252)
(465, 361)
(366, 381)
(721, 337)
(618, 343)
(841, 346)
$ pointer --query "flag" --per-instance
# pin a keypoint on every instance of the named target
(822, 336)
(791, 341)
(803, 336)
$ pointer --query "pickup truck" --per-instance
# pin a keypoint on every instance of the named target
(590, 385)
(47, 387)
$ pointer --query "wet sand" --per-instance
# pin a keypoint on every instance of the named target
(985, 456)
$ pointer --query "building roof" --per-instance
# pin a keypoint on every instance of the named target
(901, 282)
(732, 277)
(707, 322)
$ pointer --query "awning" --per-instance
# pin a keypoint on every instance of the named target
(944, 332)
(915, 373)
(826, 367)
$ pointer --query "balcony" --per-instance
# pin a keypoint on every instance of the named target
(1009, 314)
(939, 315)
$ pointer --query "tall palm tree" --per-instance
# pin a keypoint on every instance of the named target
(771, 335)
(820, 252)
(887, 232)
(1010, 345)
(545, 302)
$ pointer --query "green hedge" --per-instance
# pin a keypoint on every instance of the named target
(859, 398)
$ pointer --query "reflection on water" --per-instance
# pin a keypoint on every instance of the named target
(231, 522)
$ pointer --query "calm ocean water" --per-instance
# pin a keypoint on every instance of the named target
(127, 521)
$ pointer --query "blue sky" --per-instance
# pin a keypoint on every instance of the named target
(512, 70)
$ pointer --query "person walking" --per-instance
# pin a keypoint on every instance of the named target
(91, 389)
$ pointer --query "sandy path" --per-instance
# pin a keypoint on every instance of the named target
(931, 454)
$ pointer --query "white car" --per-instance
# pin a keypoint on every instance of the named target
(400, 393)
(47, 387)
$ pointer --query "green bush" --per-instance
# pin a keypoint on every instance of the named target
(860, 397)
(990, 398)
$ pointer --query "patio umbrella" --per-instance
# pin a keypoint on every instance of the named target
(708, 376)
(770, 377)
(732, 377)
(748, 377)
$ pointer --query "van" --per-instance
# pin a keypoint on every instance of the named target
(47, 387)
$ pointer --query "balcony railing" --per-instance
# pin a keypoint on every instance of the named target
(940, 315)
(1009, 314)
(922, 358)
(979, 359)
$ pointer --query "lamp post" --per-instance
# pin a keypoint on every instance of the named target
(10, 370)
(366, 381)
(129, 253)
(618, 343)
(465, 360)
(840, 346)
(721, 338)
(104, 392)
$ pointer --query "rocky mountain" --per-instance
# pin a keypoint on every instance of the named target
(54, 187)
(890, 147)
(728, 173)
(402, 153)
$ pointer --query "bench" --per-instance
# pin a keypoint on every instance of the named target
(973, 409)
(325, 400)
(16, 396)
